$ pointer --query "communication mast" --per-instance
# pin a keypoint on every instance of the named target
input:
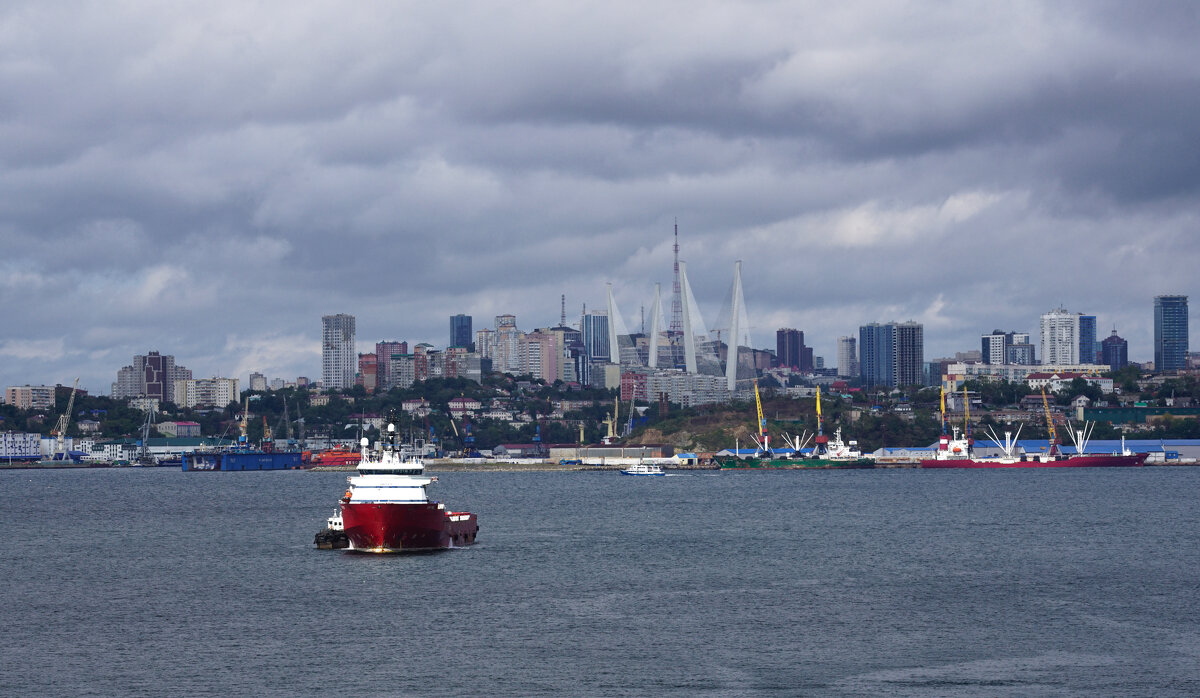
(676, 327)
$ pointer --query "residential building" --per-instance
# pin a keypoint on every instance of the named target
(206, 392)
(1170, 333)
(876, 351)
(383, 362)
(892, 354)
(507, 357)
(485, 343)
(1060, 337)
(368, 372)
(539, 356)
(30, 397)
(1114, 352)
(909, 358)
(402, 371)
(339, 361)
(258, 382)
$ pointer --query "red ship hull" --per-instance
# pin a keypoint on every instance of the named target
(393, 528)
(1113, 461)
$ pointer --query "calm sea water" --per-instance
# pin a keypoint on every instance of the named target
(152, 582)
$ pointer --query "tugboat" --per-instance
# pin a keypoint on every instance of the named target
(387, 508)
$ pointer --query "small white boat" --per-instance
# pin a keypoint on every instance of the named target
(644, 469)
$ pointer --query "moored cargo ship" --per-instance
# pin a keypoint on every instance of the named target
(387, 508)
(958, 451)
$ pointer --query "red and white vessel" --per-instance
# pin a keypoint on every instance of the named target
(959, 452)
(387, 508)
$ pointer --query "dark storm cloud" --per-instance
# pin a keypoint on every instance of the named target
(209, 182)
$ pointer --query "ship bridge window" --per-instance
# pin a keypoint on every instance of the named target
(390, 471)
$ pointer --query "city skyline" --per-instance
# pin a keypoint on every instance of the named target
(205, 187)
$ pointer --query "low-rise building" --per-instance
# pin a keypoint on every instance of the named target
(179, 429)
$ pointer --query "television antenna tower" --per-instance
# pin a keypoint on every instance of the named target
(676, 327)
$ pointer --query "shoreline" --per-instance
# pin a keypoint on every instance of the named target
(453, 466)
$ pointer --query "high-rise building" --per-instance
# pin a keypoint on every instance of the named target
(1170, 333)
(383, 363)
(1060, 338)
(875, 346)
(1088, 347)
(909, 358)
(506, 349)
(460, 332)
(893, 354)
(258, 382)
(847, 364)
(339, 361)
(539, 355)
(595, 336)
(1114, 352)
(788, 344)
(152, 375)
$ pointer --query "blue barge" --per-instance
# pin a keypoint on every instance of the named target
(241, 460)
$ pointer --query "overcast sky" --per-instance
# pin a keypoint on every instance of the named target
(208, 179)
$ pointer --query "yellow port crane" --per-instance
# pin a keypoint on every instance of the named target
(1049, 424)
(762, 423)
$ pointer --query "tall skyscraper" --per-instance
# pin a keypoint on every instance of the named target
(460, 332)
(1114, 352)
(1060, 337)
(1170, 333)
(1087, 339)
(847, 364)
(339, 361)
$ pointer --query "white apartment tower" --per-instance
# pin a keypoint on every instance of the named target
(1060, 338)
(338, 360)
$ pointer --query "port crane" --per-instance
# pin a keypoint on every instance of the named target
(60, 428)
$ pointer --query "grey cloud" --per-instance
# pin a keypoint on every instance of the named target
(252, 169)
